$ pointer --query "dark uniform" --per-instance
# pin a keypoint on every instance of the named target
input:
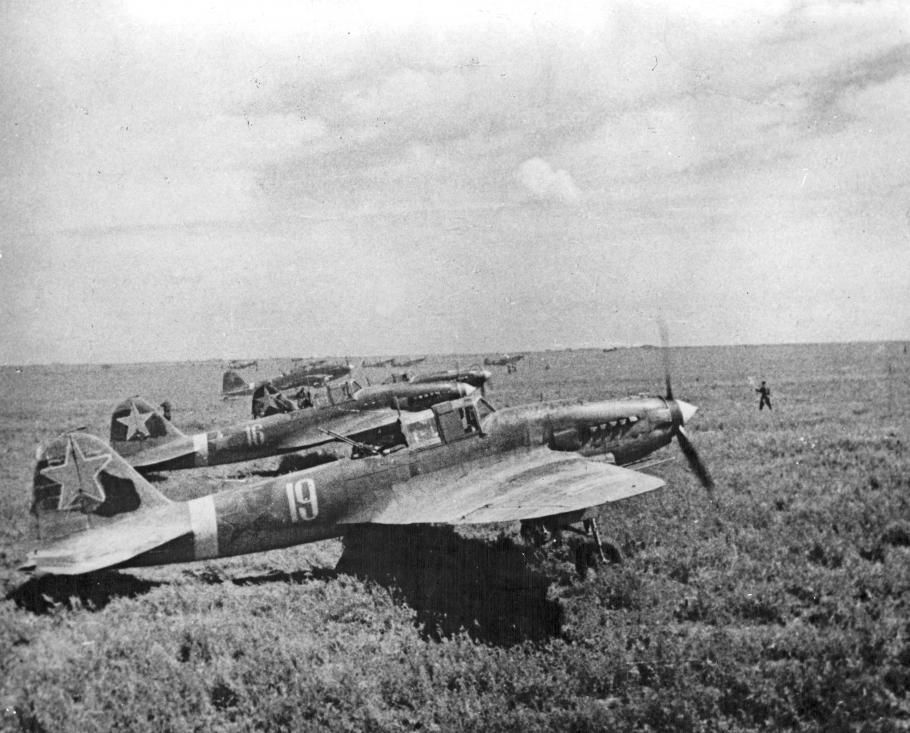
(304, 398)
(765, 399)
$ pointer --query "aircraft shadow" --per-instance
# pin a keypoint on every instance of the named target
(155, 478)
(456, 583)
(274, 576)
(43, 595)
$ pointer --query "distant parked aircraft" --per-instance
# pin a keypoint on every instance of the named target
(312, 375)
(504, 360)
(474, 375)
(149, 442)
(407, 362)
(236, 364)
(377, 364)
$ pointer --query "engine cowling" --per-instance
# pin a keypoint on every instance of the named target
(565, 439)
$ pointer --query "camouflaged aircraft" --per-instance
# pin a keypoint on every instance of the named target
(312, 375)
(407, 362)
(503, 360)
(550, 465)
(473, 375)
(238, 364)
(349, 412)
(378, 364)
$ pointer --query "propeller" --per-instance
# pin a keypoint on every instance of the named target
(483, 384)
(694, 460)
(683, 411)
(665, 352)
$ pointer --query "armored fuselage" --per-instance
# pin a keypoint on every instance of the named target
(368, 414)
(443, 445)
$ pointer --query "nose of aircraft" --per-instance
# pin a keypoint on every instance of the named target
(686, 410)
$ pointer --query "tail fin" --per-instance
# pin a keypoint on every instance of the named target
(233, 382)
(94, 511)
(136, 426)
(81, 483)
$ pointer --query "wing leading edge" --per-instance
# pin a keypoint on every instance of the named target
(535, 485)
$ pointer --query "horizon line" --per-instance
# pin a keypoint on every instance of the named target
(428, 354)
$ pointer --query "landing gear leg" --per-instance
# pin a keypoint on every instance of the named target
(584, 558)
(556, 533)
(606, 551)
(591, 528)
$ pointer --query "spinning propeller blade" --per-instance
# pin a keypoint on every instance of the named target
(665, 351)
(476, 367)
(694, 460)
(685, 412)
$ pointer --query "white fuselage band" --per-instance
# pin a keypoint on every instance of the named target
(201, 449)
(204, 525)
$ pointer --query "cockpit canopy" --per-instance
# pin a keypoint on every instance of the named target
(336, 393)
(446, 422)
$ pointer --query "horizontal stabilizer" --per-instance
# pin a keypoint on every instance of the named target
(179, 453)
(111, 544)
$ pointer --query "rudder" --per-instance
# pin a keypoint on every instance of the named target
(94, 511)
(233, 382)
(136, 426)
(81, 483)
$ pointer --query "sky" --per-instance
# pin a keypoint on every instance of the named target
(192, 180)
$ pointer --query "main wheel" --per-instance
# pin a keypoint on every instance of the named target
(534, 533)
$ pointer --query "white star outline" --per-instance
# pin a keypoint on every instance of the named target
(70, 476)
(136, 422)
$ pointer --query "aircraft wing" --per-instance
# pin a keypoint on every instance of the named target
(348, 424)
(532, 485)
(111, 544)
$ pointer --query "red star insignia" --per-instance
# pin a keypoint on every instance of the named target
(78, 477)
(135, 422)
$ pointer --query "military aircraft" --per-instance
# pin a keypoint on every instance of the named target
(313, 375)
(377, 364)
(473, 375)
(237, 364)
(461, 462)
(503, 360)
(351, 413)
(407, 362)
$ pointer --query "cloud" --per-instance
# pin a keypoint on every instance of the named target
(547, 184)
(825, 111)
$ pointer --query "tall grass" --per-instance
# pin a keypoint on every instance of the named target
(782, 605)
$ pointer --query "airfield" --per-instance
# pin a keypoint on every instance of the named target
(782, 604)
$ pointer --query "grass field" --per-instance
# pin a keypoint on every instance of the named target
(784, 605)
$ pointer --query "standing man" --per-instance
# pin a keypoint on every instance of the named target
(765, 398)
